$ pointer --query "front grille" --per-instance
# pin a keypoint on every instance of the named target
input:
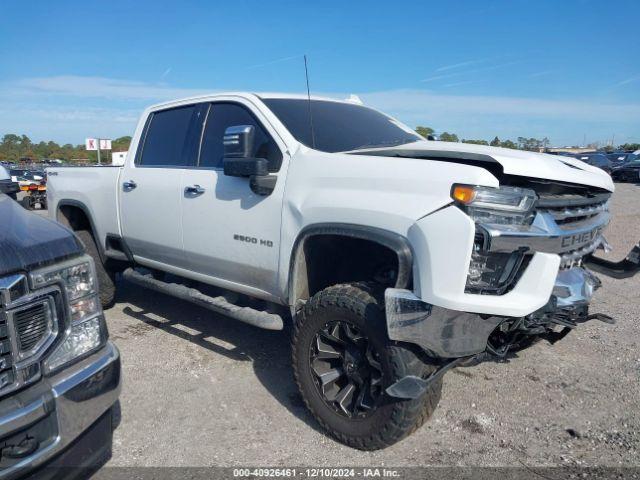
(6, 359)
(567, 216)
(572, 211)
(31, 325)
(28, 326)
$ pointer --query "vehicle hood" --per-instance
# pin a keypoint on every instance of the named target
(28, 241)
(513, 162)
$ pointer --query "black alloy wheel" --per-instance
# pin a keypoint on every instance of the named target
(347, 370)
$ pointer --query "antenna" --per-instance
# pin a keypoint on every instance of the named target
(313, 135)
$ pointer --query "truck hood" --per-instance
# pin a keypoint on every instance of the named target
(28, 241)
(512, 162)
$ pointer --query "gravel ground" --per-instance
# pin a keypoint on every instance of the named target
(201, 390)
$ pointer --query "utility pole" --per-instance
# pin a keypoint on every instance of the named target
(98, 151)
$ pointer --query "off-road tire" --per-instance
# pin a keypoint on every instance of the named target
(106, 278)
(26, 203)
(362, 305)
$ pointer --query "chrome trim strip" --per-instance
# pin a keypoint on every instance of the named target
(545, 235)
(9, 283)
(19, 418)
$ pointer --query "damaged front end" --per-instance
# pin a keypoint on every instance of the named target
(568, 225)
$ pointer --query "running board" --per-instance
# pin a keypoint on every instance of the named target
(623, 269)
(257, 318)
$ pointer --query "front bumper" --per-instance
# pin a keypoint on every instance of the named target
(448, 333)
(39, 423)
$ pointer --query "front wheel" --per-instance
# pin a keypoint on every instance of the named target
(106, 278)
(343, 361)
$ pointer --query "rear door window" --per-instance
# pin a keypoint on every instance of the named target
(171, 137)
(223, 115)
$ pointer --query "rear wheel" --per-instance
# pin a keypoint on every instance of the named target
(343, 361)
(26, 202)
(106, 278)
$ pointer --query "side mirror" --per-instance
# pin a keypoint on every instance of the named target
(239, 159)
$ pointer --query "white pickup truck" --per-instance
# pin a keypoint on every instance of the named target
(398, 258)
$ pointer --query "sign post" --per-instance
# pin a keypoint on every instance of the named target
(98, 144)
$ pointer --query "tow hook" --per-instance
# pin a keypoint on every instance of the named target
(412, 387)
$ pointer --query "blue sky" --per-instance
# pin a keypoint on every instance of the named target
(563, 69)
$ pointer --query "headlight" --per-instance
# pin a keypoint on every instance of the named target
(501, 206)
(81, 339)
(78, 279)
(493, 273)
(86, 330)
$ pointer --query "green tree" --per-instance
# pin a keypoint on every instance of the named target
(509, 144)
(495, 142)
(448, 137)
(629, 146)
(425, 131)
(475, 142)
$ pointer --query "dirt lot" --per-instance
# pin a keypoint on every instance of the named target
(201, 390)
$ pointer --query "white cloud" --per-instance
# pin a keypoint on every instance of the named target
(99, 87)
(462, 64)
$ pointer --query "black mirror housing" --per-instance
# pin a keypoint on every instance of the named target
(245, 167)
(239, 141)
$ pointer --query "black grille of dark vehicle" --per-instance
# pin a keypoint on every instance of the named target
(31, 325)
(6, 372)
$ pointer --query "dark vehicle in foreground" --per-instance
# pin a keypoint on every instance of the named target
(599, 160)
(59, 373)
(629, 172)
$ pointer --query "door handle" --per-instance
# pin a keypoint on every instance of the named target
(130, 185)
(194, 190)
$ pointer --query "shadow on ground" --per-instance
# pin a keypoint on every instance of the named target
(268, 351)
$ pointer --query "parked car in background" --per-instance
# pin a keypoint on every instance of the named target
(619, 158)
(59, 373)
(629, 172)
(599, 160)
(7, 185)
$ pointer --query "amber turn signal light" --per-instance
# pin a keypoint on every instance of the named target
(463, 194)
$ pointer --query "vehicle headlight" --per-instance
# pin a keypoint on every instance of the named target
(78, 279)
(497, 206)
(86, 331)
(82, 338)
(493, 273)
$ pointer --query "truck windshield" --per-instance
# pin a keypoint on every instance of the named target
(339, 127)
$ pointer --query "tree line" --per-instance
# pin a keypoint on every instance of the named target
(20, 149)
(521, 143)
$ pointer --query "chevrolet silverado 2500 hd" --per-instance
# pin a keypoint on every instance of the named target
(399, 258)
(59, 374)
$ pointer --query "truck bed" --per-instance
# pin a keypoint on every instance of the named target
(91, 188)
